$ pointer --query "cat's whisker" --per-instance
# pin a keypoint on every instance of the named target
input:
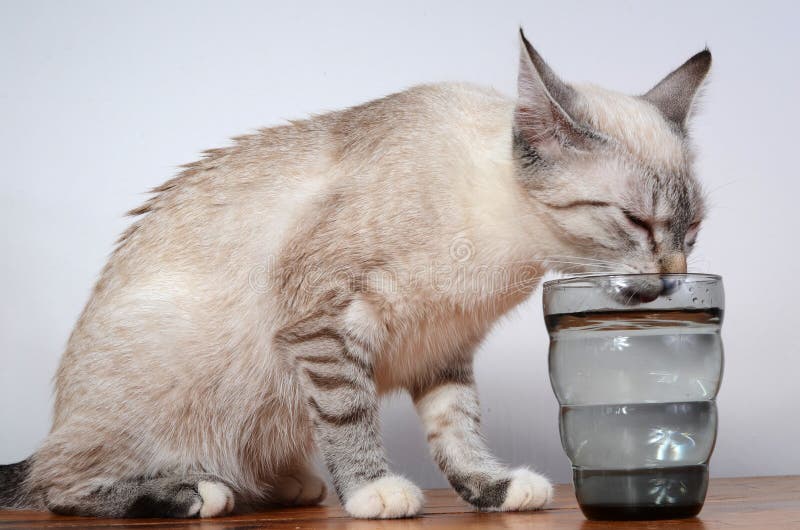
(594, 260)
(583, 258)
(579, 258)
(580, 271)
(607, 267)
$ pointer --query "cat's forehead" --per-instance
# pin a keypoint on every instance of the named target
(676, 197)
(636, 124)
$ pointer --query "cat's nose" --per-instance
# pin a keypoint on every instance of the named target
(674, 263)
(668, 286)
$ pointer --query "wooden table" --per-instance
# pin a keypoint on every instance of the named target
(760, 503)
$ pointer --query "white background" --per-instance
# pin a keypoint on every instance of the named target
(99, 101)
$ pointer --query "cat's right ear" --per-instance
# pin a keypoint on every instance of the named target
(674, 95)
(541, 118)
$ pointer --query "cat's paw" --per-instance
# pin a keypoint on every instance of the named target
(215, 499)
(302, 488)
(527, 491)
(386, 498)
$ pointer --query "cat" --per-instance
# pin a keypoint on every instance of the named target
(264, 299)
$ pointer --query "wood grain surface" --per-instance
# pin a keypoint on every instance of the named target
(732, 503)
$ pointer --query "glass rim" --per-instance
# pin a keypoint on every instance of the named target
(577, 280)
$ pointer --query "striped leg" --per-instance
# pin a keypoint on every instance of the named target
(336, 375)
(451, 416)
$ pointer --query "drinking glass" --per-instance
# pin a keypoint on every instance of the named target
(636, 362)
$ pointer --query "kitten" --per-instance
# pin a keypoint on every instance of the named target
(265, 298)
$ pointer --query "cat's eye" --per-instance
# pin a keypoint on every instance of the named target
(691, 234)
(637, 221)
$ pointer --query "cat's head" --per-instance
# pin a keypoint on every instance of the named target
(610, 174)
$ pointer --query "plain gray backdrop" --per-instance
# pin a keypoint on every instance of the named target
(100, 101)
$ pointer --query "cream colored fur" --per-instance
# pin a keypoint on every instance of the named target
(387, 498)
(178, 332)
(174, 363)
(217, 499)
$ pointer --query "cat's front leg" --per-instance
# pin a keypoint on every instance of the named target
(336, 375)
(449, 410)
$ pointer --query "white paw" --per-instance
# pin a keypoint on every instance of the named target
(300, 489)
(217, 499)
(527, 491)
(386, 498)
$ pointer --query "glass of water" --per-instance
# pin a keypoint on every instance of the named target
(635, 362)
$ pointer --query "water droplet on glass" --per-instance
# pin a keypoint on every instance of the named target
(694, 300)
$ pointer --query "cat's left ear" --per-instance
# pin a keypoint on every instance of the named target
(542, 117)
(675, 95)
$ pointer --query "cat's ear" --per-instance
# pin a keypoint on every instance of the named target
(675, 95)
(541, 117)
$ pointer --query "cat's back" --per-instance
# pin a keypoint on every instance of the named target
(266, 182)
(228, 216)
(416, 122)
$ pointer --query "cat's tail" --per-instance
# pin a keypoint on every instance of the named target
(13, 491)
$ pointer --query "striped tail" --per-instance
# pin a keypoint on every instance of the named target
(13, 493)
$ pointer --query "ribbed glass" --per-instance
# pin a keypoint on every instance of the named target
(636, 362)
